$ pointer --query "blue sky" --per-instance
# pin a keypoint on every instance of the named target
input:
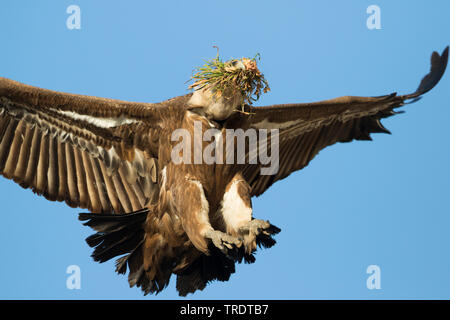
(383, 203)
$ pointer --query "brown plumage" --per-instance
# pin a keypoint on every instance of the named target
(114, 158)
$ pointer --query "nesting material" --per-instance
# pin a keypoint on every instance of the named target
(224, 78)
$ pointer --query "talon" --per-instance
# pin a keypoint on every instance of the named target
(223, 241)
(253, 229)
(256, 227)
(229, 246)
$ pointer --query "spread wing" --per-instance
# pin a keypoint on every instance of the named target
(93, 153)
(307, 128)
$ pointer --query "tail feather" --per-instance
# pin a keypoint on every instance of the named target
(218, 266)
(109, 247)
(124, 235)
(203, 270)
(116, 234)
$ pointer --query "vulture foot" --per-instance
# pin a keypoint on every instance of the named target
(225, 242)
(256, 230)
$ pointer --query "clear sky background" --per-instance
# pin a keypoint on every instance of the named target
(382, 203)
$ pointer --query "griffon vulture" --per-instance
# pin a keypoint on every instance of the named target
(191, 218)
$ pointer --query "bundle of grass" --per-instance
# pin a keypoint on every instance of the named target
(223, 78)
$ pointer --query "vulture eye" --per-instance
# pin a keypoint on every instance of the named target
(237, 64)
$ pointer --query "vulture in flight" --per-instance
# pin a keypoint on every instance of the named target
(161, 216)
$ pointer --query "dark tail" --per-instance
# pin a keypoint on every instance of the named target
(117, 235)
(124, 234)
(218, 266)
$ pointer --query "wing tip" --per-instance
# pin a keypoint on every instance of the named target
(429, 81)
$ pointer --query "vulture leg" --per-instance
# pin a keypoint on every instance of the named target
(194, 215)
(237, 215)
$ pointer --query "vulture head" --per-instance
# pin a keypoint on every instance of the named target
(222, 88)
